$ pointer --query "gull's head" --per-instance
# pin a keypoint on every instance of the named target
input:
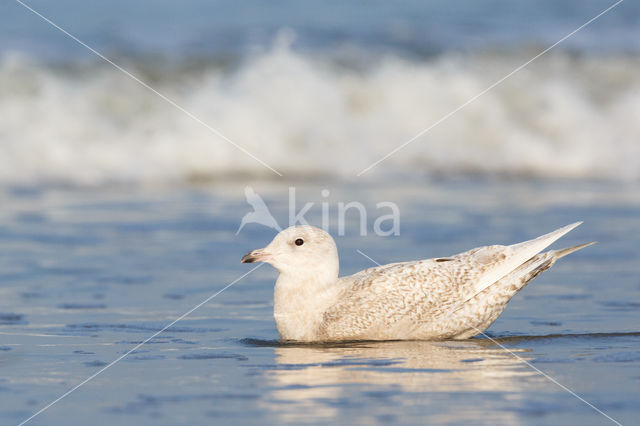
(299, 250)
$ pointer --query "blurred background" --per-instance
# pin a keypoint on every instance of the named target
(120, 211)
(317, 88)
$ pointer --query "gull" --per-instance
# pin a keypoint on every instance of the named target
(454, 297)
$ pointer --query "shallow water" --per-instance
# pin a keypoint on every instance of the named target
(87, 274)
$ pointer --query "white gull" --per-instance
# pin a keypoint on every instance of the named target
(454, 297)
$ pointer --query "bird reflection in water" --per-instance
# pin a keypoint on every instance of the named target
(323, 381)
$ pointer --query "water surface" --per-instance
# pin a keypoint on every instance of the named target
(88, 274)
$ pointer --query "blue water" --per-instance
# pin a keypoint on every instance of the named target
(229, 28)
(89, 274)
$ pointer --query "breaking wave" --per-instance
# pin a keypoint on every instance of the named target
(563, 116)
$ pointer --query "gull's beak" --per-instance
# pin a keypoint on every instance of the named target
(259, 255)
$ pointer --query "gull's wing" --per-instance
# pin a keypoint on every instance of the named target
(501, 260)
(382, 296)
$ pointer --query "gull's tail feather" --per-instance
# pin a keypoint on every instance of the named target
(543, 261)
(563, 252)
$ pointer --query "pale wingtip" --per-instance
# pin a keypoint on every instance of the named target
(558, 233)
(546, 240)
(572, 225)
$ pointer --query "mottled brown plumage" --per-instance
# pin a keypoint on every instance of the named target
(444, 298)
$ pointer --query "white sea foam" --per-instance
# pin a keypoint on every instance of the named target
(561, 117)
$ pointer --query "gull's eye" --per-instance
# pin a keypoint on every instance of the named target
(299, 242)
